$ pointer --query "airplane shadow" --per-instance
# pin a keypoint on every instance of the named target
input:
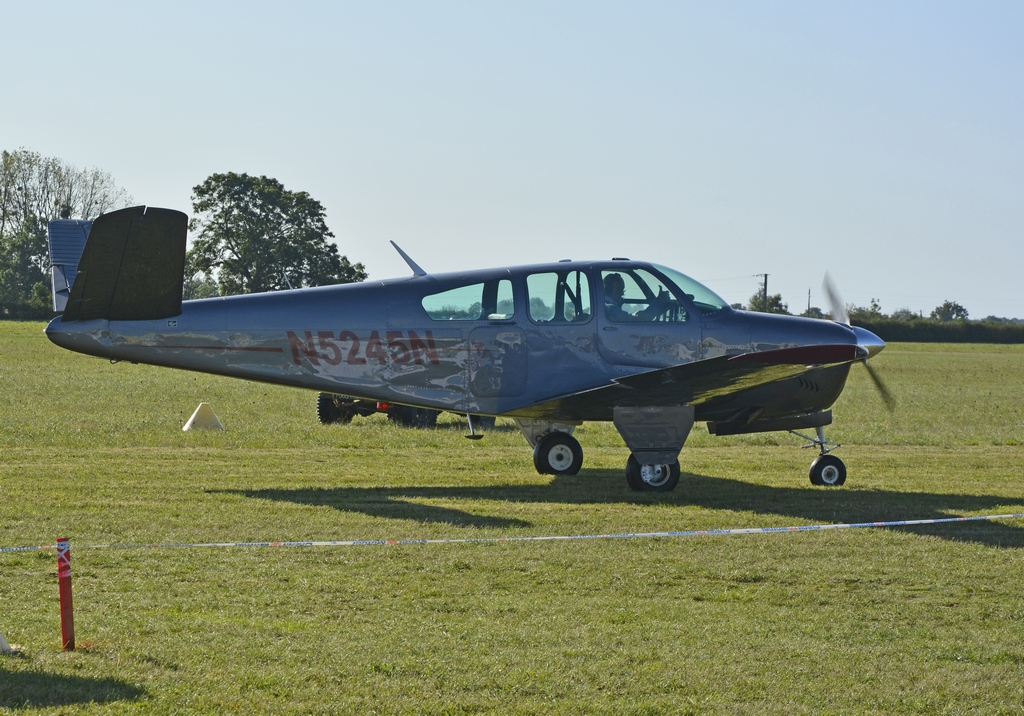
(847, 505)
(35, 689)
(387, 502)
(817, 505)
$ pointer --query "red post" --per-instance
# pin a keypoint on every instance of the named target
(67, 609)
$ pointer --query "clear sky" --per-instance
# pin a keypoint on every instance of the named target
(880, 141)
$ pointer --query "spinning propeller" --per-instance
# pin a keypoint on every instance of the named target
(868, 341)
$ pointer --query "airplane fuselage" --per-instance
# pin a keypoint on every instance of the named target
(378, 340)
(549, 345)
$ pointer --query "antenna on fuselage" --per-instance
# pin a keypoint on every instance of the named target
(417, 270)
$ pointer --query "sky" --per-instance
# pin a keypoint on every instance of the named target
(880, 142)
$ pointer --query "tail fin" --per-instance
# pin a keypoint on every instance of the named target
(130, 269)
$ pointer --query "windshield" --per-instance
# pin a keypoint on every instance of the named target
(703, 297)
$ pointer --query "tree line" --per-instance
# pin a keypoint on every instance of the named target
(949, 322)
(250, 234)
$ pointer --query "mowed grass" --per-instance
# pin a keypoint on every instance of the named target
(914, 620)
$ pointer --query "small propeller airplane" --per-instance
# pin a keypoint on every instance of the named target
(548, 345)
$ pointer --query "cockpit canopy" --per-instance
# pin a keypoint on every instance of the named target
(565, 294)
(703, 297)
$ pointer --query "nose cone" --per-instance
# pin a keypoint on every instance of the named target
(868, 341)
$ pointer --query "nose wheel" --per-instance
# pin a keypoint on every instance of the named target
(827, 470)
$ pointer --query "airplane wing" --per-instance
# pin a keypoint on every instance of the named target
(693, 383)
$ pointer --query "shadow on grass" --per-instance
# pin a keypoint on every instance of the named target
(597, 487)
(846, 505)
(35, 689)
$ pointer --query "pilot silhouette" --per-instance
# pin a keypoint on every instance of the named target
(614, 288)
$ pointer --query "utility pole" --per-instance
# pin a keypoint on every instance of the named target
(764, 292)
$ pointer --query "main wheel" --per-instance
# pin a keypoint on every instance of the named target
(558, 453)
(828, 470)
(651, 478)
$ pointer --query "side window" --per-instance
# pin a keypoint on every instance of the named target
(633, 295)
(559, 297)
(490, 300)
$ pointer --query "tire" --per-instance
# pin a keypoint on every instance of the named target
(651, 478)
(828, 471)
(558, 453)
(331, 408)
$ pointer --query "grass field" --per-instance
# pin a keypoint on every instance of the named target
(913, 620)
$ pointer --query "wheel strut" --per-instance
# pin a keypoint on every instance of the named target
(824, 445)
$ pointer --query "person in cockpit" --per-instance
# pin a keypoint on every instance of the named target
(614, 288)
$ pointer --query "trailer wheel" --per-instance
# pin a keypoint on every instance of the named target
(331, 408)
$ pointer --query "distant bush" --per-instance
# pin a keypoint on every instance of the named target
(934, 331)
(25, 312)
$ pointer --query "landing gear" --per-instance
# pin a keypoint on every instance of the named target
(558, 453)
(555, 450)
(651, 478)
(826, 470)
(654, 435)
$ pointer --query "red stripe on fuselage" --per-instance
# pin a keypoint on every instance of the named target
(221, 348)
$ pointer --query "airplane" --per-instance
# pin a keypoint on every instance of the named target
(548, 345)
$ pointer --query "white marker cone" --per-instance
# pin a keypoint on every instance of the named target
(203, 419)
(5, 648)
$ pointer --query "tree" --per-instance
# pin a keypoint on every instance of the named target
(1003, 320)
(950, 311)
(774, 304)
(254, 235)
(814, 312)
(904, 314)
(872, 312)
(198, 284)
(43, 187)
(33, 191)
(23, 268)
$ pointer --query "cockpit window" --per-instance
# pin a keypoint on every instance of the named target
(491, 300)
(703, 297)
(559, 297)
(635, 294)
